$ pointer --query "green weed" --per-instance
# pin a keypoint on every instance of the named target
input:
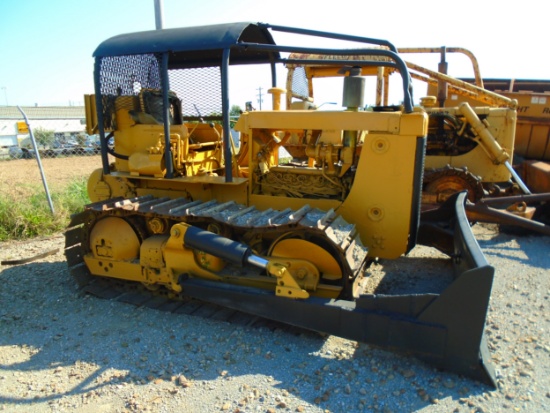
(26, 213)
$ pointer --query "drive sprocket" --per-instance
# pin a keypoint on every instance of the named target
(440, 184)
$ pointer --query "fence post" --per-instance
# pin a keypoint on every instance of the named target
(37, 154)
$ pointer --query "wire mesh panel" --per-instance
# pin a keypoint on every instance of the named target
(123, 78)
(200, 91)
(299, 85)
(126, 75)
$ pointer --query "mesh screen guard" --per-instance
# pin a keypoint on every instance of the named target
(199, 89)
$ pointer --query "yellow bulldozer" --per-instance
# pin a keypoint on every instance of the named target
(284, 221)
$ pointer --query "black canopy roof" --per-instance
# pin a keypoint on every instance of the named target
(194, 46)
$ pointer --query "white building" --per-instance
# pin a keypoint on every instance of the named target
(65, 121)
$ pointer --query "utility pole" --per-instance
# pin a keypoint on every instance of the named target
(158, 15)
(260, 97)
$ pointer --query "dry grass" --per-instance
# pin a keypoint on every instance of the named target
(21, 178)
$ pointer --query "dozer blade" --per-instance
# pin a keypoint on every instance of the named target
(446, 329)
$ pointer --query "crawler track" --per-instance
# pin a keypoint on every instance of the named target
(139, 297)
(240, 222)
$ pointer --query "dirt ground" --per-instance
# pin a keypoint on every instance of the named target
(58, 171)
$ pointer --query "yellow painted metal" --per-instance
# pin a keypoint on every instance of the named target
(484, 136)
(438, 50)
(91, 114)
(147, 163)
(204, 188)
(113, 268)
(291, 277)
(144, 144)
(115, 250)
(500, 133)
(380, 208)
(386, 122)
(276, 93)
(160, 259)
(263, 202)
(296, 278)
(97, 189)
(148, 269)
(153, 270)
(196, 148)
(462, 88)
(287, 285)
(101, 187)
(204, 133)
(532, 139)
(182, 260)
(306, 250)
(113, 238)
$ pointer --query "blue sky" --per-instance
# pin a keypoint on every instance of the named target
(46, 46)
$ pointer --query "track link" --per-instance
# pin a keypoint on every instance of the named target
(139, 297)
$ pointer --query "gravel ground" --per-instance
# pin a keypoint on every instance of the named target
(62, 351)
